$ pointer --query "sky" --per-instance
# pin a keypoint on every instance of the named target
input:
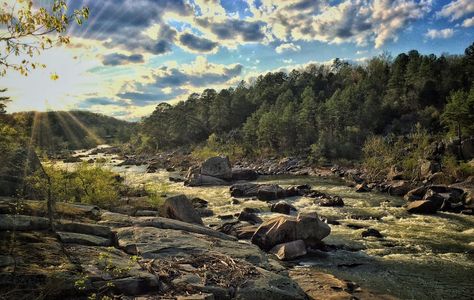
(130, 55)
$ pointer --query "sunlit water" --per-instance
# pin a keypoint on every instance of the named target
(419, 257)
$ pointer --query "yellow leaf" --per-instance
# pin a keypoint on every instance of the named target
(54, 76)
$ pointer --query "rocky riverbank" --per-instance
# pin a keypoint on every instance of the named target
(371, 235)
(95, 253)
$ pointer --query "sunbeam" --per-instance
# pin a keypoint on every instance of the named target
(90, 133)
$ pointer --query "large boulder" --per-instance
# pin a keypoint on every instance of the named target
(443, 192)
(244, 190)
(269, 192)
(423, 207)
(311, 229)
(180, 208)
(218, 167)
(244, 174)
(283, 229)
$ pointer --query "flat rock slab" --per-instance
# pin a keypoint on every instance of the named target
(83, 239)
(36, 259)
(120, 220)
(151, 242)
(22, 223)
(319, 285)
(85, 228)
(112, 268)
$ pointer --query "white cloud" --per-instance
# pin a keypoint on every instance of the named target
(456, 9)
(287, 47)
(468, 22)
(355, 21)
(439, 34)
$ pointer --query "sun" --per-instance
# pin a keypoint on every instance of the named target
(60, 85)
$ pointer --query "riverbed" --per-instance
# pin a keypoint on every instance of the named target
(418, 256)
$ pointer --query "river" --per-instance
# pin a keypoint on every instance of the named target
(419, 256)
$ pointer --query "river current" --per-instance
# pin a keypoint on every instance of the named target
(418, 257)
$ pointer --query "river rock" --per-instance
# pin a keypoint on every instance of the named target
(282, 207)
(249, 217)
(176, 178)
(399, 187)
(218, 167)
(265, 192)
(415, 194)
(204, 180)
(290, 250)
(311, 229)
(334, 201)
(371, 232)
(180, 208)
(362, 188)
(268, 192)
(279, 230)
(244, 174)
(244, 190)
(423, 207)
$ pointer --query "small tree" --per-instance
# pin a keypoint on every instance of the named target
(28, 30)
(459, 113)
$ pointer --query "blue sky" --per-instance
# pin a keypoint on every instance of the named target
(133, 54)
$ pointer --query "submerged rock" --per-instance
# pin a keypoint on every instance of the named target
(334, 201)
(371, 232)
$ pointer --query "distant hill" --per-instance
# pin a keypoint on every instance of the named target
(58, 130)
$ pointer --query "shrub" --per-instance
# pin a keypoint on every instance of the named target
(90, 184)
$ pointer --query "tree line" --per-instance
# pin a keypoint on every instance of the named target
(325, 111)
